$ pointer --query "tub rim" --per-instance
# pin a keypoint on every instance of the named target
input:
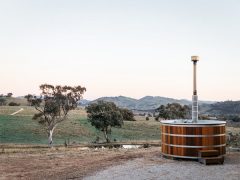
(187, 122)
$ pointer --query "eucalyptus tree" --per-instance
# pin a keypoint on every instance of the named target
(104, 115)
(127, 114)
(173, 111)
(9, 94)
(29, 98)
(54, 105)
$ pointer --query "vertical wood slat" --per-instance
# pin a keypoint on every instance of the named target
(184, 141)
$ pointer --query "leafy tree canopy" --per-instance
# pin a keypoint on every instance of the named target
(127, 114)
(54, 105)
(29, 98)
(9, 94)
(173, 111)
(104, 115)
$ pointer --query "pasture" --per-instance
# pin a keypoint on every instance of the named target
(21, 129)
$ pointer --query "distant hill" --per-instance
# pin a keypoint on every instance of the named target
(224, 108)
(153, 102)
(149, 103)
(83, 102)
(120, 101)
(145, 103)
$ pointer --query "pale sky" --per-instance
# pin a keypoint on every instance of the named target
(121, 47)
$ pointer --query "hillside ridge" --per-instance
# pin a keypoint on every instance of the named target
(146, 102)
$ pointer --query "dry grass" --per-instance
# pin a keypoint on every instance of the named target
(65, 163)
(234, 130)
(76, 163)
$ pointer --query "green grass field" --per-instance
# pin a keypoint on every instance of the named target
(21, 129)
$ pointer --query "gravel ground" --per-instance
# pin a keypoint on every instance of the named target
(161, 168)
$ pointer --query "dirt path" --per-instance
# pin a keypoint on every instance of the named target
(17, 112)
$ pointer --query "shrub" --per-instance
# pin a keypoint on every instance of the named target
(14, 104)
(2, 101)
(127, 114)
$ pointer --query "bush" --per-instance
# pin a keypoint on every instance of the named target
(235, 118)
(14, 104)
(147, 118)
(127, 114)
(146, 146)
(2, 101)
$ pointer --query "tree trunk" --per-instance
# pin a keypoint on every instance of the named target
(50, 139)
(106, 136)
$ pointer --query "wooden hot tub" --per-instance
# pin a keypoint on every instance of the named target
(183, 139)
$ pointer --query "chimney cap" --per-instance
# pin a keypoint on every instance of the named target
(195, 58)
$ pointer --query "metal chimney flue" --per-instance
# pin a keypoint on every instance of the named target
(195, 59)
